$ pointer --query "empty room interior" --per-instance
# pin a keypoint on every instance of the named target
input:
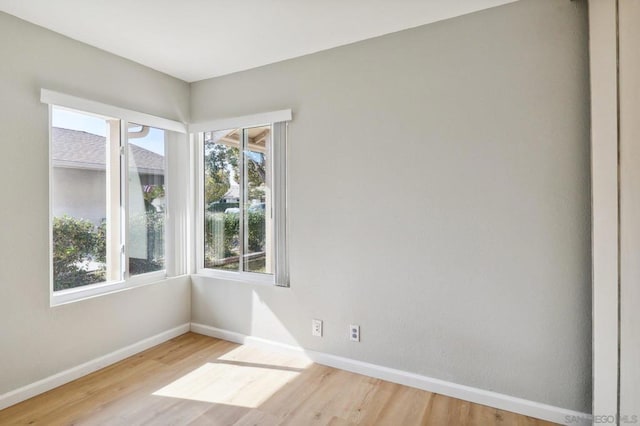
(332, 213)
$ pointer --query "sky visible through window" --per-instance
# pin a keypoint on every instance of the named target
(66, 119)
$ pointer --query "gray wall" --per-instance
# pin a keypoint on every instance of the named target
(439, 197)
(36, 340)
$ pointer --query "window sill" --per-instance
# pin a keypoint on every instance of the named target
(72, 295)
(244, 277)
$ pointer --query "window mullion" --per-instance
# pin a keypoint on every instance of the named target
(200, 216)
(242, 234)
(124, 173)
(114, 197)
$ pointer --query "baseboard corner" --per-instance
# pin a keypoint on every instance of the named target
(36, 388)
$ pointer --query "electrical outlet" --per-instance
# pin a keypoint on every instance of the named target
(354, 333)
(316, 327)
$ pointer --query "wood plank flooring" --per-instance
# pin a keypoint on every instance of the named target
(198, 380)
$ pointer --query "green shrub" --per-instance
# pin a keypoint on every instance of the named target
(101, 242)
(225, 225)
(75, 242)
(231, 233)
(256, 230)
(221, 234)
(141, 266)
(150, 227)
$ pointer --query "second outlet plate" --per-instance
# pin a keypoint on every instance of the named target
(316, 327)
(354, 333)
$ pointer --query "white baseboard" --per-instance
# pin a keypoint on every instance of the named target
(466, 393)
(48, 383)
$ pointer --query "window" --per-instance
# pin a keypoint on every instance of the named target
(85, 169)
(237, 194)
(243, 203)
(108, 200)
(146, 199)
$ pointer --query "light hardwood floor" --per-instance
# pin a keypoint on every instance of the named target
(198, 380)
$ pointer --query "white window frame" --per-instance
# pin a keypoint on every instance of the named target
(125, 116)
(278, 120)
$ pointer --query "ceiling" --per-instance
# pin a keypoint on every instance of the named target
(198, 39)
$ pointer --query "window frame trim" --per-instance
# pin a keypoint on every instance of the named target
(76, 294)
(242, 276)
(64, 100)
(124, 205)
(252, 120)
(84, 106)
(280, 275)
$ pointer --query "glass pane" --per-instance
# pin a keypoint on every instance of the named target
(257, 200)
(147, 201)
(79, 154)
(222, 200)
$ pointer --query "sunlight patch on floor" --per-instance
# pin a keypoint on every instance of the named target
(271, 357)
(242, 377)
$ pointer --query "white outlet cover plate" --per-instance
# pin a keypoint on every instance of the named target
(316, 327)
(354, 333)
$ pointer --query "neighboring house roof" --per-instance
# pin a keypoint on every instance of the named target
(82, 150)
